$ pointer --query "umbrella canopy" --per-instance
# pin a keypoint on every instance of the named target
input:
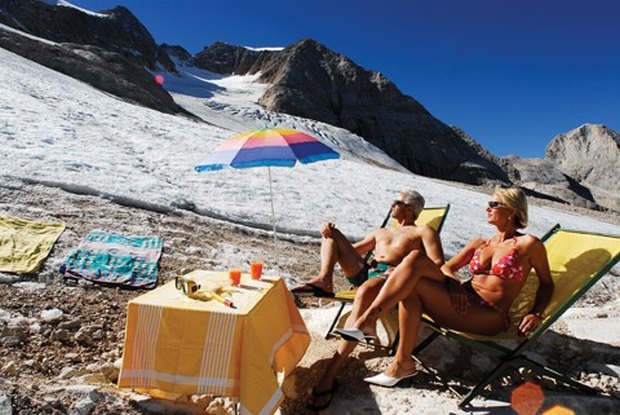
(267, 147)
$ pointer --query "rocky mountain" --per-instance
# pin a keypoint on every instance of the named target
(110, 53)
(309, 80)
(590, 154)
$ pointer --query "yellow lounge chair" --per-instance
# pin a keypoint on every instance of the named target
(577, 261)
(433, 217)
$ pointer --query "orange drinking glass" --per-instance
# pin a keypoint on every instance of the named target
(256, 270)
(235, 276)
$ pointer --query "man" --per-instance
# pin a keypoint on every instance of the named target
(391, 245)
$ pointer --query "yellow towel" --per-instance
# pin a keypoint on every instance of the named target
(24, 244)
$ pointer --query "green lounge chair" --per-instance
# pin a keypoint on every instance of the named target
(577, 261)
(433, 217)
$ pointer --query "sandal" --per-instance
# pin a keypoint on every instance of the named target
(312, 289)
(316, 394)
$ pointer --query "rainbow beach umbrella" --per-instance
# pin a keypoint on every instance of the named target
(267, 147)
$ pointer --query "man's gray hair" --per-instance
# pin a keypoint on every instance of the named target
(415, 199)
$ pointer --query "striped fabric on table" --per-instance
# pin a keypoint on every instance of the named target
(113, 258)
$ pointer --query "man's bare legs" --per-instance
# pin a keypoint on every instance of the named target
(363, 298)
(336, 249)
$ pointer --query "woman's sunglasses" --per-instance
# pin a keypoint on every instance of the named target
(494, 204)
(189, 287)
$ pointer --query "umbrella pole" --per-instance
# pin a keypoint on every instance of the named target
(273, 213)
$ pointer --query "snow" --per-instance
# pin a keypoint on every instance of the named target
(58, 131)
(63, 3)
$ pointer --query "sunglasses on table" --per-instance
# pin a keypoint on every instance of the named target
(189, 287)
(494, 204)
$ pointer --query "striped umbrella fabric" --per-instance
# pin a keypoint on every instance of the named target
(267, 147)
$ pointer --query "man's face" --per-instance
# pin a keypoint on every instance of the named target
(400, 207)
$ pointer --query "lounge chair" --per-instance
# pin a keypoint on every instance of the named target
(577, 261)
(435, 218)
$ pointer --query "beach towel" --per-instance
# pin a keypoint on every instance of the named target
(112, 258)
(24, 244)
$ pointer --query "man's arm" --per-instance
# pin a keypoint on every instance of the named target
(365, 245)
(432, 245)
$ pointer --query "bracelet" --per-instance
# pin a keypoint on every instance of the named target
(539, 315)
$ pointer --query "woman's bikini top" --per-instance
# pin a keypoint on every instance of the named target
(508, 267)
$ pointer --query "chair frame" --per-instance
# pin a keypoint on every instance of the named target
(343, 302)
(515, 356)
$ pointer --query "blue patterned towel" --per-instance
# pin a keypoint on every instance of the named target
(112, 258)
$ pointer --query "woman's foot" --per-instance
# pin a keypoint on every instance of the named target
(394, 374)
(355, 335)
(401, 368)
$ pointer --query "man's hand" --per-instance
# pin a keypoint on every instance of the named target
(326, 230)
(529, 323)
(458, 296)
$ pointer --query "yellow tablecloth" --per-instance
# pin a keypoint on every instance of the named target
(181, 345)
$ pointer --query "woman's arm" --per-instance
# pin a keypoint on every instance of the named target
(540, 263)
(458, 296)
(461, 259)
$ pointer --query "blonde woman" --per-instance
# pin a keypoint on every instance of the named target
(499, 266)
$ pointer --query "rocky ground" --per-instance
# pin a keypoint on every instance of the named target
(60, 342)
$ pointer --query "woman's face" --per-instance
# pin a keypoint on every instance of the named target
(497, 211)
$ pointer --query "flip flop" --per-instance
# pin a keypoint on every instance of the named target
(317, 394)
(312, 289)
(356, 335)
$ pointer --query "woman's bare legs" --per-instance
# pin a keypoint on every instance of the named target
(433, 298)
(399, 286)
(363, 298)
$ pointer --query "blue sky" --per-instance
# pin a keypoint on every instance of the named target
(512, 74)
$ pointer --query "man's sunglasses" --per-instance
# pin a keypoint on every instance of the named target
(189, 287)
(399, 203)
(494, 204)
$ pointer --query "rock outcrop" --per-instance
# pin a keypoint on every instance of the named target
(119, 31)
(590, 155)
(223, 58)
(309, 80)
(84, 47)
(540, 178)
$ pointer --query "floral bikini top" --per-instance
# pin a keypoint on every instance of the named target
(508, 267)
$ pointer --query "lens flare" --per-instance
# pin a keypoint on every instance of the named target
(559, 410)
(527, 399)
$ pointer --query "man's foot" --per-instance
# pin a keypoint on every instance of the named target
(315, 289)
(321, 399)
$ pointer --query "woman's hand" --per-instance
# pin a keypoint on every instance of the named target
(529, 323)
(458, 296)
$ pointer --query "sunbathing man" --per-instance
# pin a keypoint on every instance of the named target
(390, 245)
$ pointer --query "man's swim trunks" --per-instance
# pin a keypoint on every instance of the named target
(369, 271)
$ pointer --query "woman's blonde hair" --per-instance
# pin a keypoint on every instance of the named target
(514, 198)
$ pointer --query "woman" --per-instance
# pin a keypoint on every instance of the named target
(499, 264)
